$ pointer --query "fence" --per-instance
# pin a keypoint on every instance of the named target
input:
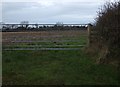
(45, 40)
(92, 35)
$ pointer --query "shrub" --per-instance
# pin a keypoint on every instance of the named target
(108, 28)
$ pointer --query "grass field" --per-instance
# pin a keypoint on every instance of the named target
(45, 39)
(55, 68)
(60, 67)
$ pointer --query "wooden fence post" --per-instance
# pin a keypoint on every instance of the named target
(89, 34)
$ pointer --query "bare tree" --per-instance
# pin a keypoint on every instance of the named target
(1, 25)
(25, 24)
(59, 24)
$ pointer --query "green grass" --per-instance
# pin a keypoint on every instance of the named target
(55, 68)
(73, 67)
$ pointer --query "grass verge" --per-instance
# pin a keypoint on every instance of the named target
(55, 68)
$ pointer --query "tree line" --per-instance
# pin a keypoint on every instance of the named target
(24, 25)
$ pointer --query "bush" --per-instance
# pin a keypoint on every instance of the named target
(108, 28)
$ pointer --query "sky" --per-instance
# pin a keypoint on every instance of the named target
(50, 11)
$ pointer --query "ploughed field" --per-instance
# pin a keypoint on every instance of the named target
(44, 39)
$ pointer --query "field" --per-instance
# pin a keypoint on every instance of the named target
(44, 39)
(52, 67)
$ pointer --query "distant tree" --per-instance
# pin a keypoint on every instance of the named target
(2, 26)
(24, 24)
(59, 24)
(36, 25)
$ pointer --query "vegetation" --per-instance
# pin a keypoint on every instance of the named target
(45, 39)
(55, 68)
(108, 31)
(71, 67)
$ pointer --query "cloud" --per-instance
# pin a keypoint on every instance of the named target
(53, 0)
(50, 11)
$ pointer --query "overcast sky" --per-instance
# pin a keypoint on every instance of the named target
(50, 11)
